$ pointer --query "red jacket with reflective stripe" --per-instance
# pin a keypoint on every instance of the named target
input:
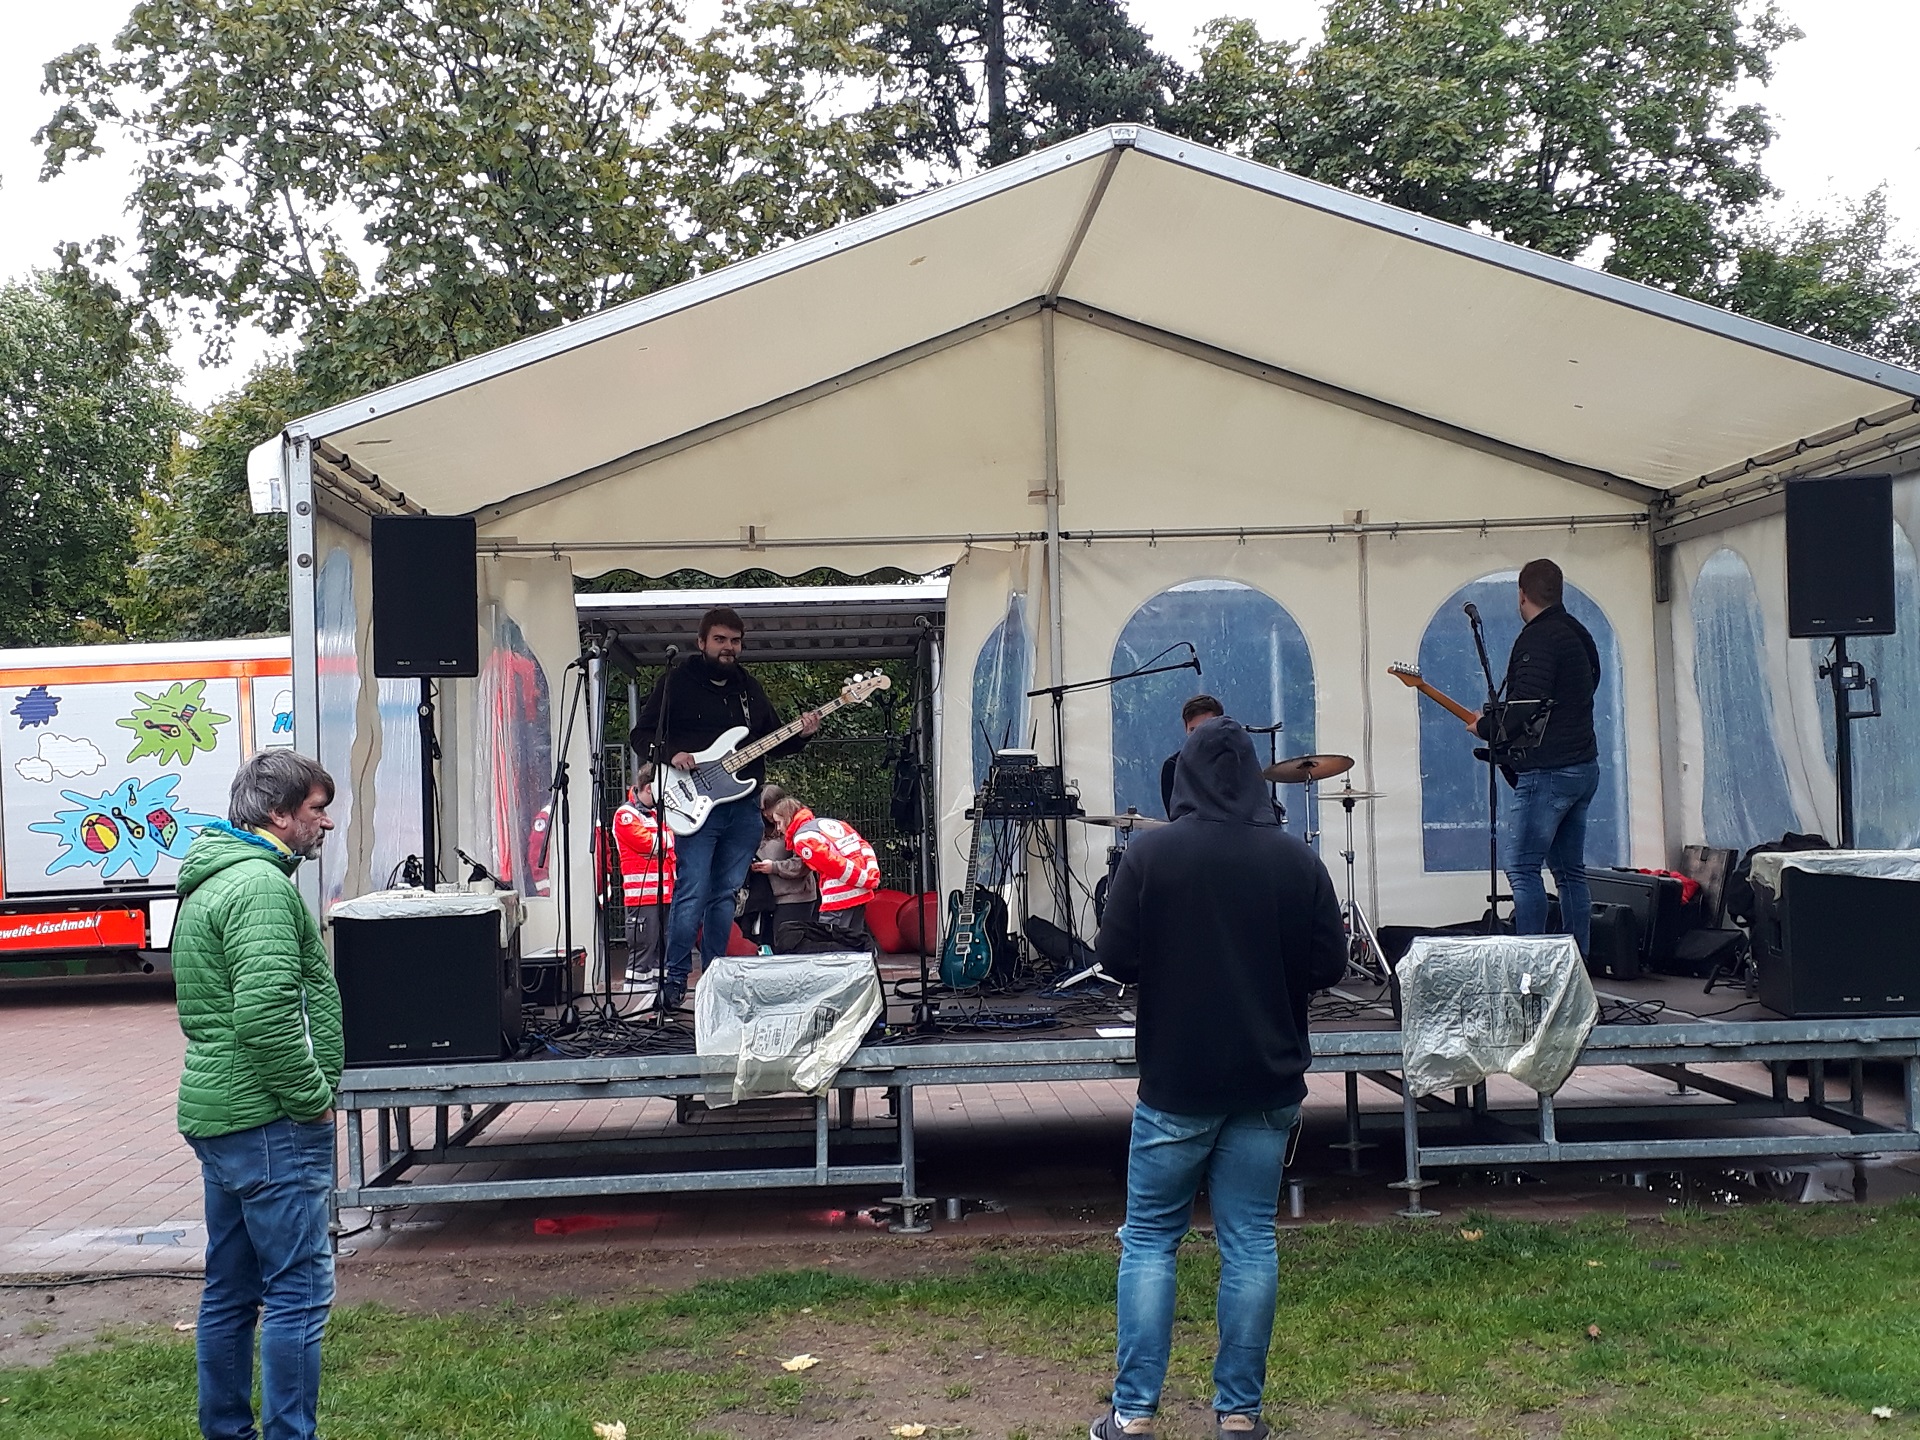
(849, 871)
(635, 831)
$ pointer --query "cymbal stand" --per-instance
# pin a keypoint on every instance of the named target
(1363, 948)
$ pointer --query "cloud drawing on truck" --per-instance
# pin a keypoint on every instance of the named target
(62, 755)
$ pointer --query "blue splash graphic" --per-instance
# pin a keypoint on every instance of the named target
(130, 827)
(36, 707)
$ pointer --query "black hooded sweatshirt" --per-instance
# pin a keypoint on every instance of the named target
(708, 701)
(1227, 924)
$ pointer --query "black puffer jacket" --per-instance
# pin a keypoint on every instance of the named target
(1555, 659)
(1227, 924)
(708, 701)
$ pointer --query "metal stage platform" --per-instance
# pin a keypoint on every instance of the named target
(462, 1101)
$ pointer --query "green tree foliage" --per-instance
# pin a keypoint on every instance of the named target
(1840, 278)
(85, 424)
(208, 567)
(992, 79)
(1601, 129)
(508, 164)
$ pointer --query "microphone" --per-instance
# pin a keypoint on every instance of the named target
(481, 871)
(1473, 611)
(1195, 660)
(673, 653)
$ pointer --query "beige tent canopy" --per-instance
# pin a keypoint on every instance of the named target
(1116, 368)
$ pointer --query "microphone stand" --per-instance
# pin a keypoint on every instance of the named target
(560, 812)
(658, 758)
(1493, 775)
(1058, 694)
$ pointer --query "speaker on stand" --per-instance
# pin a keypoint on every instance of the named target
(426, 624)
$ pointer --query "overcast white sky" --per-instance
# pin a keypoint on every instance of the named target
(1841, 102)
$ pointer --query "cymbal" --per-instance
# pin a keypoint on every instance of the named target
(1345, 796)
(1132, 820)
(1303, 769)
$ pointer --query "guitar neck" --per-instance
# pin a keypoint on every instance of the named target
(1447, 702)
(785, 733)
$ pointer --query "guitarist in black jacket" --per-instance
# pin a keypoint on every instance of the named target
(705, 695)
(1545, 821)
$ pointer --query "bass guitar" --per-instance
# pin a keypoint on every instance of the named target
(966, 952)
(689, 796)
(1535, 719)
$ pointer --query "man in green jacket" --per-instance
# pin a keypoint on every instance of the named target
(262, 1018)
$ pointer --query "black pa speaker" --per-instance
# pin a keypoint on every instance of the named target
(426, 989)
(1840, 556)
(426, 608)
(1838, 945)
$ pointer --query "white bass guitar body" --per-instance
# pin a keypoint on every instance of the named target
(692, 794)
(689, 796)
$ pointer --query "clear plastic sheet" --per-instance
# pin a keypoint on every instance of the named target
(1474, 1006)
(413, 904)
(1875, 864)
(788, 1022)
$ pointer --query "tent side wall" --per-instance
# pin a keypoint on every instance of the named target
(1754, 721)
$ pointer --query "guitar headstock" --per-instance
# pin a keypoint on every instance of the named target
(860, 687)
(1408, 675)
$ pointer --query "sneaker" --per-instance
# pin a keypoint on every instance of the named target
(1240, 1427)
(1111, 1427)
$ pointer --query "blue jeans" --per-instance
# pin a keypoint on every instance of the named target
(269, 1261)
(709, 866)
(1240, 1157)
(1545, 822)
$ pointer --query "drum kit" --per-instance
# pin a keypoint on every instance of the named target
(1364, 960)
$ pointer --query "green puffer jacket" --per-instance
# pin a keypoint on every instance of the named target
(254, 989)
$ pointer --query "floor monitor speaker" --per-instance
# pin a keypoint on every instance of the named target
(426, 620)
(427, 989)
(1840, 556)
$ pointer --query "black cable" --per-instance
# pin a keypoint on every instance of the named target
(104, 1278)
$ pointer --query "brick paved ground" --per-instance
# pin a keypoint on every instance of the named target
(96, 1177)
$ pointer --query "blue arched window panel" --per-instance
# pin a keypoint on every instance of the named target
(1886, 751)
(1746, 798)
(1453, 785)
(1002, 675)
(1255, 661)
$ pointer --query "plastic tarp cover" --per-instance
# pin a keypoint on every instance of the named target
(788, 1022)
(1875, 864)
(1471, 1007)
(416, 904)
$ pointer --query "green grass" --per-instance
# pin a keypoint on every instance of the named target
(1760, 1323)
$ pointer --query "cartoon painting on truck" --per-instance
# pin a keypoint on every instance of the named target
(112, 757)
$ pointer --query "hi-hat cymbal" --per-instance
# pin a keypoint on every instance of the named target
(1132, 820)
(1348, 797)
(1304, 769)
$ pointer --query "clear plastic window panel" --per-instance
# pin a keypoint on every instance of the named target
(336, 642)
(1002, 675)
(1453, 785)
(1746, 798)
(515, 756)
(1886, 751)
(1254, 660)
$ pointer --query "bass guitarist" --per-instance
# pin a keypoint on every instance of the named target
(705, 695)
(1545, 822)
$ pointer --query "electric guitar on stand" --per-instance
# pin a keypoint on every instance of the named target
(689, 796)
(1525, 720)
(966, 952)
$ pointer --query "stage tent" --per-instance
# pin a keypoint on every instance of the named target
(1135, 393)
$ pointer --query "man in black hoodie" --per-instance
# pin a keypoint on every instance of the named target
(1227, 924)
(711, 692)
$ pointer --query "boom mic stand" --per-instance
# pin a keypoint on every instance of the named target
(560, 809)
(1493, 773)
(657, 758)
